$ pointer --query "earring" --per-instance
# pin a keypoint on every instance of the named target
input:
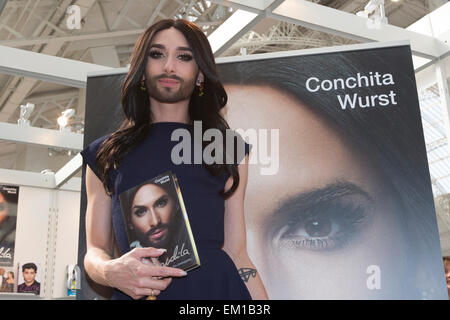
(142, 87)
(201, 89)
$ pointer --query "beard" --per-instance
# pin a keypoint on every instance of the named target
(182, 91)
(144, 238)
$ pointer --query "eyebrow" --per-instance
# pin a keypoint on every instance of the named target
(138, 206)
(317, 196)
(161, 46)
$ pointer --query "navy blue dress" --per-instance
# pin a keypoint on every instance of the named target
(217, 277)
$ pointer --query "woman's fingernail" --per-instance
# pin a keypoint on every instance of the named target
(162, 250)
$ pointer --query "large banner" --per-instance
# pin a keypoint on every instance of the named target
(339, 202)
(9, 196)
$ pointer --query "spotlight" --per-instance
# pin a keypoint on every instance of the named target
(63, 120)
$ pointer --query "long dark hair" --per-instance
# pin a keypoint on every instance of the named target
(136, 103)
(391, 136)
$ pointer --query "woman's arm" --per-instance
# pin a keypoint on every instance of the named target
(99, 235)
(235, 242)
(127, 273)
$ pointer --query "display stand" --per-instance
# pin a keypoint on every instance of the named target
(46, 234)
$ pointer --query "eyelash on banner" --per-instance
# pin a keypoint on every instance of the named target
(343, 220)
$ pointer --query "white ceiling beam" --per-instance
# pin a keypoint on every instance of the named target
(70, 38)
(68, 170)
(35, 179)
(44, 67)
(251, 6)
(232, 29)
(344, 24)
(85, 45)
(239, 23)
(54, 95)
(27, 178)
(257, 4)
(121, 14)
(427, 77)
(156, 12)
(40, 136)
(12, 31)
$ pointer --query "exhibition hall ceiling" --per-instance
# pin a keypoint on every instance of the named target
(109, 30)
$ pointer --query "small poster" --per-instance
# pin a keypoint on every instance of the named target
(29, 278)
(8, 217)
(8, 278)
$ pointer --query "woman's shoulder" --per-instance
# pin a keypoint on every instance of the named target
(98, 141)
(92, 147)
(89, 153)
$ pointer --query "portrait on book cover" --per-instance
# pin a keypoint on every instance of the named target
(153, 214)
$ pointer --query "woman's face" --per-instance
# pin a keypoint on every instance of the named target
(325, 226)
(151, 215)
(171, 70)
(3, 209)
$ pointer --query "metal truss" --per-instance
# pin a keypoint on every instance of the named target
(284, 36)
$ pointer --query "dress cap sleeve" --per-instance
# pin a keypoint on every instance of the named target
(89, 154)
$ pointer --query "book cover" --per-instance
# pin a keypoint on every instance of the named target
(155, 216)
(9, 197)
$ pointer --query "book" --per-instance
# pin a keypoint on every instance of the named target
(155, 216)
